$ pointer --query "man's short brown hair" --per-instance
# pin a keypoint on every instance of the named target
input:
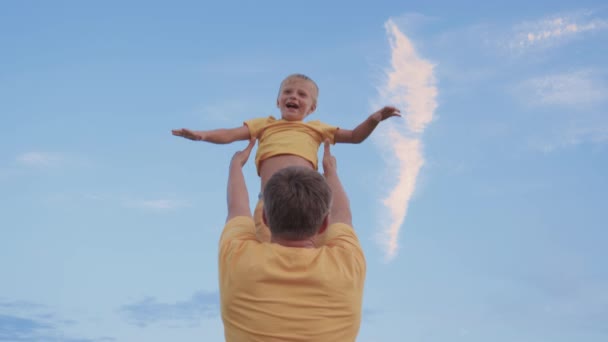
(296, 201)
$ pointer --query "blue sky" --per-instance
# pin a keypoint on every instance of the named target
(482, 211)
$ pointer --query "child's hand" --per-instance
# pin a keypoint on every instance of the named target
(386, 113)
(186, 133)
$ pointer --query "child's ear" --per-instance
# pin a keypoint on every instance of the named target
(312, 108)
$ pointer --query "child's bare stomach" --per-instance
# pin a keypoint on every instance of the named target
(274, 164)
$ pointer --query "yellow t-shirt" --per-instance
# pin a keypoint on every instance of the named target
(274, 293)
(299, 138)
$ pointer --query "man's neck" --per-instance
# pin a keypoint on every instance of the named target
(307, 243)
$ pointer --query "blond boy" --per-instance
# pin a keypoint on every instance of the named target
(289, 141)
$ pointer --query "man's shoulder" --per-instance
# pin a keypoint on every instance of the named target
(340, 235)
(342, 228)
(239, 227)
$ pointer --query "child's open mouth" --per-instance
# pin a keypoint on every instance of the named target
(292, 105)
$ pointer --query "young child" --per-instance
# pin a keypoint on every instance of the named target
(289, 141)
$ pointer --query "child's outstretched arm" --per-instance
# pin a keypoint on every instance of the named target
(216, 136)
(366, 128)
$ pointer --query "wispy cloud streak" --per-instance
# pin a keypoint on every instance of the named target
(553, 30)
(158, 204)
(38, 159)
(149, 310)
(581, 87)
(410, 86)
(29, 322)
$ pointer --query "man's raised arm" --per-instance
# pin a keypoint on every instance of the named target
(237, 195)
(339, 211)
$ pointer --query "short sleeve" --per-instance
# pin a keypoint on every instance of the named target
(327, 131)
(342, 240)
(340, 235)
(238, 228)
(257, 125)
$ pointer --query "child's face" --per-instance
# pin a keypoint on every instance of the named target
(297, 99)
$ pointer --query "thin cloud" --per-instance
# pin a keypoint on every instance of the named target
(29, 322)
(156, 204)
(19, 305)
(410, 86)
(581, 87)
(39, 159)
(593, 130)
(14, 328)
(554, 30)
(149, 310)
(113, 200)
(575, 100)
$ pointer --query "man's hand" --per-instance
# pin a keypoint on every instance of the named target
(386, 113)
(188, 134)
(329, 161)
(240, 157)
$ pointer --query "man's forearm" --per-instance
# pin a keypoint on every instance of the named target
(340, 208)
(237, 195)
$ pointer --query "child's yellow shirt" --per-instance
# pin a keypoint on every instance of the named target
(298, 138)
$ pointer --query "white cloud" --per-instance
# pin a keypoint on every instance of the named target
(554, 30)
(410, 86)
(582, 87)
(39, 159)
(410, 160)
(411, 82)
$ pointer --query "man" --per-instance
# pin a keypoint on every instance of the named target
(307, 283)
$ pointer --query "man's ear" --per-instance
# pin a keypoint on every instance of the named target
(264, 218)
(324, 225)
